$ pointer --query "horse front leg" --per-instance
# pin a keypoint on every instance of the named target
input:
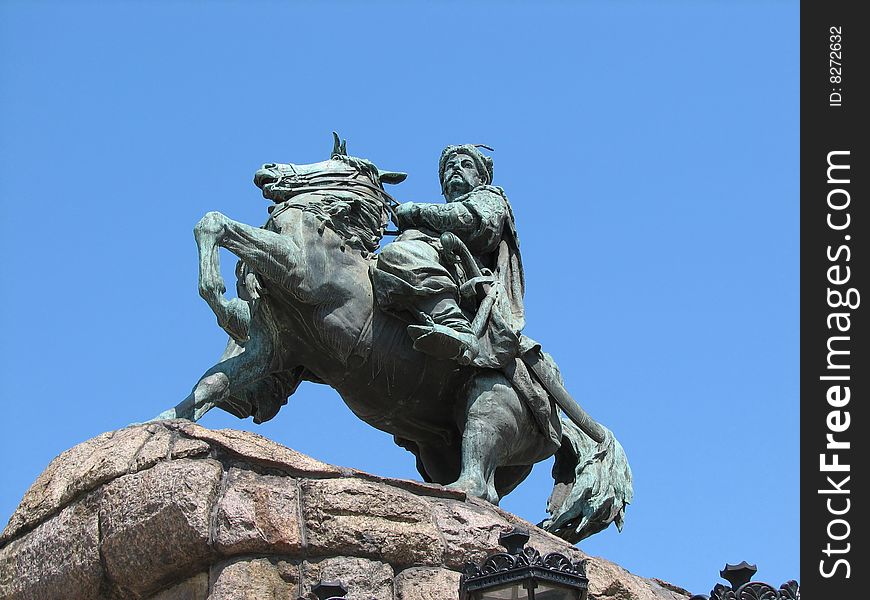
(271, 255)
(233, 315)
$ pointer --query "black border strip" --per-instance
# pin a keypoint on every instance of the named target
(835, 226)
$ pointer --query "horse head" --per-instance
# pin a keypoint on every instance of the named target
(280, 182)
(346, 192)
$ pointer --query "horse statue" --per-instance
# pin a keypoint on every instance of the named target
(305, 311)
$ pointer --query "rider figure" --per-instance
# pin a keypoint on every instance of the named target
(416, 279)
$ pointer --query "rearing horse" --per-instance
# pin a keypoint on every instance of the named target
(306, 311)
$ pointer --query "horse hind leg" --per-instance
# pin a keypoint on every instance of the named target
(241, 368)
(439, 461)
(509, 477)
(499, 439)
(233, 315)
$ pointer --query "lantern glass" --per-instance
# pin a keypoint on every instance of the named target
(511, 591)
(550, 591)
(518, 591)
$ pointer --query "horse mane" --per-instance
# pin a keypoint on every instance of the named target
(359, 221)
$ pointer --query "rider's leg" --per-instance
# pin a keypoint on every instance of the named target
(410, 278)
(446, 332)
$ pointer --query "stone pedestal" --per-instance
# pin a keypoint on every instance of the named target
(174, 511)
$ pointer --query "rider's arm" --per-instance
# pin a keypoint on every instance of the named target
(477, 219)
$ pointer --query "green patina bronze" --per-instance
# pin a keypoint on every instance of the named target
(422, 339)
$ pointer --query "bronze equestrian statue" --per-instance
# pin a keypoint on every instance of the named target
(421, 340)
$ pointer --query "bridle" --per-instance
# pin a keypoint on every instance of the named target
(326, 181)
(367, 222)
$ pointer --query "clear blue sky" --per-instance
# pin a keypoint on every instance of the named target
(650, 152)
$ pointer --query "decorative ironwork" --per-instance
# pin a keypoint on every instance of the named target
(742, 588)
(520, 564)
(528, 557)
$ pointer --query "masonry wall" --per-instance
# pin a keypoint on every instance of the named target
(173, 510)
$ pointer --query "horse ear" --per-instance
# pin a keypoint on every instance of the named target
(391, 177)
(339, 146)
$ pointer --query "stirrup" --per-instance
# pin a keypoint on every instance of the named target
(443, 342)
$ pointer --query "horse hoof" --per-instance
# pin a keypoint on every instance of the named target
(473, 488)
(166, 415)
(235, 319)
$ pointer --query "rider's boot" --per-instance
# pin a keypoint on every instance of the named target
(446, 333)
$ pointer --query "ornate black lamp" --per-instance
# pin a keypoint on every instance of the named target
(523, 574)
(741, 587)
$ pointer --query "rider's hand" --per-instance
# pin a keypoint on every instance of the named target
(407, 213)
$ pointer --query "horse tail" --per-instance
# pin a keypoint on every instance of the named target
(592, 485)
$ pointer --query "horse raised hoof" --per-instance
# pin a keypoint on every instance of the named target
(235, 319)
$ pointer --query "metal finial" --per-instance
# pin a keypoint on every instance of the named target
(514, 540)
(737, 575)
